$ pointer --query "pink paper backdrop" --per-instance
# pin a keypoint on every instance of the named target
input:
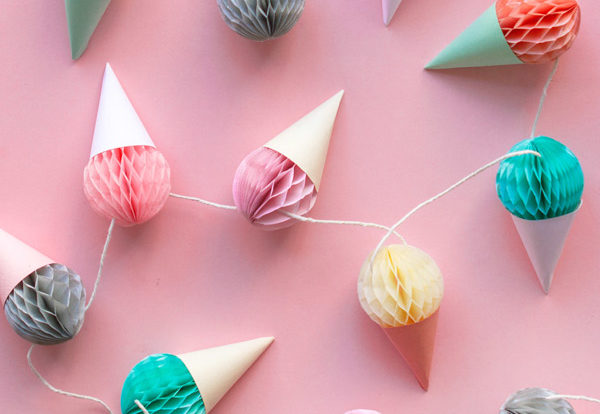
(196, 277)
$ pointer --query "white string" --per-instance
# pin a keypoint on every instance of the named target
(139, 404)
(543, 98)
(61, 392)
(573, 397)
(346, 222)
(449, 189)
(208, 203)
(102, 257)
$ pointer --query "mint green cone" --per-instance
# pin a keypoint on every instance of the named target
(537, 188)
(82, 17)
(163, 384)
(481, 44)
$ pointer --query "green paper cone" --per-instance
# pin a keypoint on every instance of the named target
(83, 17)
(481, 44)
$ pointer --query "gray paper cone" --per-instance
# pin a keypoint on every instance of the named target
(47, 307)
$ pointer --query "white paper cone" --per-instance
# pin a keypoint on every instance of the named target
(117, 123)
(544, 241)
(389, 9)
(17, 261)
(216, 370)
(306, 142)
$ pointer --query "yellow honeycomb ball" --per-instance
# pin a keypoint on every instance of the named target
(403, 286)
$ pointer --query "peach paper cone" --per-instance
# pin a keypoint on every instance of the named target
(17, 261)
(416, 343)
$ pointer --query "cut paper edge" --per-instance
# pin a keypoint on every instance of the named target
(481, 44)
(82, 19)
(117, 123)
(306, 142)
(216, 370)
(17, 261)
(389, 10)
(544, 241)
(416, 343)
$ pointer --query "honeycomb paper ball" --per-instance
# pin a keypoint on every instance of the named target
(48, 306)
(261, 19)
(129, 184)
(163, 384)
(535, 188)
(538, 31)
(534, 401)
(267, 182)
(403, 286)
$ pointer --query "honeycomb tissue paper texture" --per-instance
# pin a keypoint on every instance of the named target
(514, 32)
(191, 383)
(535, 401)
(401, 289)
(285, 174)
(261, 19)
(126, 178)
(543, 195)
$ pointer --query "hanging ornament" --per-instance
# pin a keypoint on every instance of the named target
(190, 383)
(82, 18)
(514, 32)
(44, 301)
(543, 194)
(401, 289)
(389, 9)
(536, 401)
(127, 178)
(285, 174)
(261, 19)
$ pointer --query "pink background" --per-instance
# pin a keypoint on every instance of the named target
(196, 277)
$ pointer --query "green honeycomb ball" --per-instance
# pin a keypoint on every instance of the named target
(163, 384)
(536, 188)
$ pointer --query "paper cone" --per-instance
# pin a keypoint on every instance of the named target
(117, 123)
(17, 261)
(215, 370)
(482, 44)
(82, 17)
(307, 141)
(415, 343)
(389, 9)
(544, 241)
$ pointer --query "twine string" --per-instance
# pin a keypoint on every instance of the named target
(205, 202)
(573, 397)
(141, 406)
(101, 266)
(543, 98)
(59, 391)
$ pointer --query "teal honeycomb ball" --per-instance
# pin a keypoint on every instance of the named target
(163, 384)
(536, 188)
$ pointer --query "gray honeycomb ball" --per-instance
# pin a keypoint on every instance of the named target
(261, 19)
(48, 306)
(534, 401)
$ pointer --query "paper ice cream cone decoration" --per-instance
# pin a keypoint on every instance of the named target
(543, 194)
(536, 401)
(191, 383)
(127, 178)
(261, 20)
(43, 301)
(285, 174)
(389, 9)
(513, 32)
(401, 289)
(82, 18)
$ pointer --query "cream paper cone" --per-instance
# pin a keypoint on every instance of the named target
(216, 370)
(416, 343)
(544, 241)
(306, 142)
(389, 9)
(17, 261)
(481, 44)
(117, 123)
